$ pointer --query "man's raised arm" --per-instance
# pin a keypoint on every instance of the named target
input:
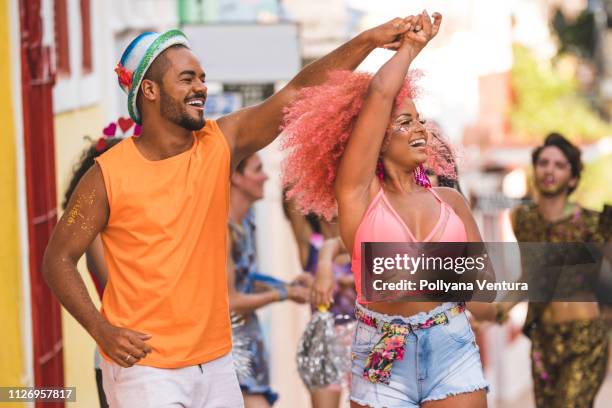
(85, 216)
(253, 128)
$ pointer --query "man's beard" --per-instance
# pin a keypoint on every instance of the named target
(172, 110)
(553, 191)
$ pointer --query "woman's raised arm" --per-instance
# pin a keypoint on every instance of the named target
(356, 183)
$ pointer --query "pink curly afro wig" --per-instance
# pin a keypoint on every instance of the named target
(316, 129)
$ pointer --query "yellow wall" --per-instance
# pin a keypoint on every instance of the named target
(70, 129)
(594, 189)
(10, 289)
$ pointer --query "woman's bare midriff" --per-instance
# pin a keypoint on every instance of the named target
(558, 312)
(405, 309)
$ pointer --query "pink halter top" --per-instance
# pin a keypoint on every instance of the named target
(381, 223)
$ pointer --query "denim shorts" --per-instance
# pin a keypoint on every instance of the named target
(438, 362)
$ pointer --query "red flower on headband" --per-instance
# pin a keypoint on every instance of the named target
(125, 76)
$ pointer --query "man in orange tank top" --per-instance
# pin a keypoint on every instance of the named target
(160, 203)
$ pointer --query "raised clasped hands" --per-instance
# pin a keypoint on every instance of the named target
(388, 35)
(422, 29)
(413, 31)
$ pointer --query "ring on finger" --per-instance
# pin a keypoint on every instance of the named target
(127, 358)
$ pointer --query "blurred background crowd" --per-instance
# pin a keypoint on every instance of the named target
(500, 76)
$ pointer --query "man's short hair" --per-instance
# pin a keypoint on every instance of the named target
(570, 151)
(240, 167)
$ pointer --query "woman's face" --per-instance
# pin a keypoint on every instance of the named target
(407, 137)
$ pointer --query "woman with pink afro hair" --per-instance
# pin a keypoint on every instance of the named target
(310, 168)
(320, 111)
(357, 148)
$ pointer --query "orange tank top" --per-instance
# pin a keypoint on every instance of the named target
(165, 247)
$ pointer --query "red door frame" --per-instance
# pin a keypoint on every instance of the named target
(37, 84)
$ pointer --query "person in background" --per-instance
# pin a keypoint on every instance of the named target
(321, 256)
(249, 290)
(436, 177)
(309, 232)
(569, 343)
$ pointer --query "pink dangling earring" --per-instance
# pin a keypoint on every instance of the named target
(420, 177)
(380, 170)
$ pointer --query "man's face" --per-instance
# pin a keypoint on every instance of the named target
(251, 181)
(183, 90)
(553, 172)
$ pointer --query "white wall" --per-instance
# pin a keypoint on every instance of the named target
(79, 89)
